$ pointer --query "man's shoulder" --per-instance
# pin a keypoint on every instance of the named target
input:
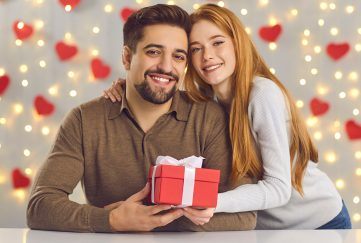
(209, 105)
(96, 107)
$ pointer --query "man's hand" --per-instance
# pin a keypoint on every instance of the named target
(131, 215)
(199, 216)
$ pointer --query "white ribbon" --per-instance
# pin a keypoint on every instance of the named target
(190, 164)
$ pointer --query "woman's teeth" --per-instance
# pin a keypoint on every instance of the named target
(212, 67)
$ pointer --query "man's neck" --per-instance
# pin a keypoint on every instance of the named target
(145, 113)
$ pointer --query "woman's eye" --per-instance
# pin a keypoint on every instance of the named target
(217, 43)
(195, 49)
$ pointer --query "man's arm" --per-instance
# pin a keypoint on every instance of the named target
(49, 207)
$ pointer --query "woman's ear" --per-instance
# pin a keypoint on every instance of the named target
(126, 57)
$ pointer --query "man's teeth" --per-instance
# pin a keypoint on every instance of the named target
(212, 67)
(163, 80)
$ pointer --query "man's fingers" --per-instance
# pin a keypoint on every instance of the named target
(158, 208)
(113, 205)
(120, 81)
(169, 217)
(139, 196)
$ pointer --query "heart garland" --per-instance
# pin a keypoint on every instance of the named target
(337, 51)
(270, 33)
(99, 69)
(19, 179)
(353, 130)
(4, 84)
(72, 3)
(22, 31)
(319, 107)
(65, 51)
(126, 12)
(42, 106)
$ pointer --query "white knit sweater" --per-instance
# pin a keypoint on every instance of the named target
(282, 207)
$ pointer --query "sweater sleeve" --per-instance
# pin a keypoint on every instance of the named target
(49, 207)
(269, 123)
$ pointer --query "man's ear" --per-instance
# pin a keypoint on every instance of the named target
(126, 57)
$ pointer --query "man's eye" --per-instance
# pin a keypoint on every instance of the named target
(153, 52)
(180, 57)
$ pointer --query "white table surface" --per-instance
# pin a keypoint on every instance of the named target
(12, 235)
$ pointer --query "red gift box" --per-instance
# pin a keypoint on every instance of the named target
(169, 183)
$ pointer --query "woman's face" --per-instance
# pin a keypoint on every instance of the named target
(213, 54)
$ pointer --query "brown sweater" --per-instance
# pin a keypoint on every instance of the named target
(100, 144)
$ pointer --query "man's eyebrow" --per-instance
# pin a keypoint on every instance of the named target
(162, 47)
(210, 38)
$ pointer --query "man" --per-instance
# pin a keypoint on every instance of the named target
(110, 147)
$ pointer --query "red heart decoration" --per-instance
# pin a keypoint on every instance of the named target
(65, 51)
(42, 106)
(99, 69)
(72, 3)
(4, 83)
(270, 33)
(318, 107)
(353, 130)
(24, 32)
(336, 51)
(126, 12)
(20, 180)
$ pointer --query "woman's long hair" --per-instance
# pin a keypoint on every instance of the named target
(248, 65)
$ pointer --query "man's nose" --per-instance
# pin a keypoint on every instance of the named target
(166, 64)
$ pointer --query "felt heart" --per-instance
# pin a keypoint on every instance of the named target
(20, 180)
(353, 130)
(42, 106)
(270, 33)
(318, 107)
(4, 83)
(72, 3)
(337, 51)
(22, 33)
(126, 12)
(65, 51)
(99, 69)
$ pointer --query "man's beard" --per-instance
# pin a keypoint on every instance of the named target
(158, 97)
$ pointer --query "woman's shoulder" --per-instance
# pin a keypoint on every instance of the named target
(264, 89)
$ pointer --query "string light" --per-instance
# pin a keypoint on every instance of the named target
(28, 128)
(263, 3)
(332, 6)
(272, 70)
(39, 24)
(2, 120)
(244, 11)
(40, 43)
(96, 30)
(354, 93)
(299, 103)
(308, 58)
(338, 75)
(323, 6)
(358, 47)
(317, 49)
(317, 135)
(334, 31)
(248, 30)
(18, 108)
(342, 95)
(27, 152)
(2, 72)
(196, 6)
(171, 3)
(303, 81)
(355, 112)
(340, 184)
(358, 154)
(350, 9)
(312, 121)
(53, 90)
(294, 12)
(353, 76)
(18, 42)
(45, 131)
(25, 83)
(358, 172)
(23, 68)
(42, 64)
(68, 8)
(356, 200)
(28, 171)
(220, 3)
(272, 46)
(356, 217)
(108, 8)
(73, 93)
(330, 157)
(321, 22)
(314, 71)
(139, 1)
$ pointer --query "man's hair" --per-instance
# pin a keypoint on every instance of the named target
(157, 14)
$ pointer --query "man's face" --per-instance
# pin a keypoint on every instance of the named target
(157, 67)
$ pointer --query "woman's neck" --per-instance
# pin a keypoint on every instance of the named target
(223, 92)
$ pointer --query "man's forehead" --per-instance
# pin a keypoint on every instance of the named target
(168, 36)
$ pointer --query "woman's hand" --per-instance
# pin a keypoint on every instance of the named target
(199, 216)
(113, 93)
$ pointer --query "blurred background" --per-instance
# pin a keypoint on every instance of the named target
(57, 54)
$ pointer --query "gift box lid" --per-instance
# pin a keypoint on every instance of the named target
(172, 171)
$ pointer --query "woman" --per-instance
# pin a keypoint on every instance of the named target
(269, 138)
